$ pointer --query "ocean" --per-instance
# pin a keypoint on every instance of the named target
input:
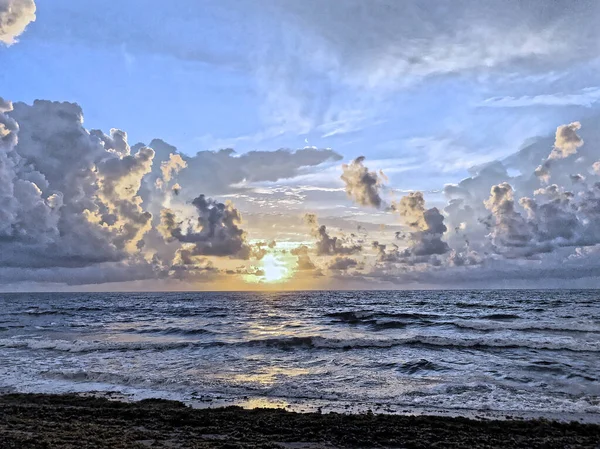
(499, 352)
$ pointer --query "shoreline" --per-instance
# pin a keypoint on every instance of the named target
(74, 421)
(305, 405)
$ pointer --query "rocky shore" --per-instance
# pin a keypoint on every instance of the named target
(70, 421)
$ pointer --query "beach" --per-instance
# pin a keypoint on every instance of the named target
(72, 421)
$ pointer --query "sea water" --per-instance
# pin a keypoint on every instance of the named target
(508, 352)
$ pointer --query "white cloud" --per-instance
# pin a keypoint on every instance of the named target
(15, 15)
(585, 97)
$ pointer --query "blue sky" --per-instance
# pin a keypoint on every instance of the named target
(430, 92)
(204, 75)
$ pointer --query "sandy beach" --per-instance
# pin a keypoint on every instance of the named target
(70, 421)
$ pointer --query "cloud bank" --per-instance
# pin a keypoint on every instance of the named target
(82, 206)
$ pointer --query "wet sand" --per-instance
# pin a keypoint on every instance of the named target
(70, 421)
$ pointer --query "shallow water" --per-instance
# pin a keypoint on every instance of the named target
(514, 352)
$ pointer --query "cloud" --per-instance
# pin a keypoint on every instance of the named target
(173, 165)
(15, 15)
(119, 180)
(342, 263)
(586, 98)
(327, 245)
(362, 185)
(403, 42)
(427, 227)
(427, 224)
(509, 228)
(502, 226)
(224, 171)
(76, 203)
(411, 208)
(55, 183)
(216, 232)
(83, 206)
(567, 141)
(303, 263)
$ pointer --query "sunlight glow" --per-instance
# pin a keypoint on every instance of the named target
(275, 269)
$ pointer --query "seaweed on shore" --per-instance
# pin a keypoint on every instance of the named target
(71, 421)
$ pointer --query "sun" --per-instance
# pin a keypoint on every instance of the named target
(274, 269)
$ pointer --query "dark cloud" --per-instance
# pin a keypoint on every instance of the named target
(387, 253)
(362, 185)
(342, 263)
(427, 226)
(63, 211)
(304, 262)
(327, 245)
(216, 232)
(509, 228)
(219, 172)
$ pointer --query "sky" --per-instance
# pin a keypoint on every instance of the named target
(299, 144)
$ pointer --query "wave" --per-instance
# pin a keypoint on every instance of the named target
(475, 305)
(491, 322)
(169, 331)
(416, 366)
(501, 316)
(311, 342)
(42, 312)
(352, 316)
(83, 346)
(365, 316)
(382, 325)
(524, 326)
(78, 375)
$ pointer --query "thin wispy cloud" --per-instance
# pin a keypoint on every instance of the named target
(586, 98)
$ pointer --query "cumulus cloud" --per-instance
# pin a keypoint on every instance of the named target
(342, 263)
(427, 225)
(216, 232)
(362, 185)
(15, 15)
(119, 180)
(303, 263)
(509, 228)
(55, 171)
(82, 206)
(387, 253)
(327, 245)
(173, 165)
(503, 224)
(73, 200)
(543, 172)
(567, 141)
